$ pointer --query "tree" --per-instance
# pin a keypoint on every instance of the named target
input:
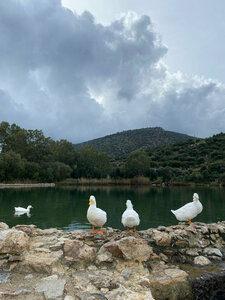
(137, 164)
(92, 163)
(12, 166)
(65, 152)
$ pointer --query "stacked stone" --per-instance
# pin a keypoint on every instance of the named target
(154, 263)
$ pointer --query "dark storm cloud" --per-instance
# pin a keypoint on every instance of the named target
(75, 79)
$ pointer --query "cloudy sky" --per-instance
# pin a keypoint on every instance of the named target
(82, 69)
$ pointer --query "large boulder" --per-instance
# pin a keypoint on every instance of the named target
(13, 241)
(128, 248)
(52, 287)
(170, 284)
(75, 250)
(161, 238)
(40, 262)
(3, 226)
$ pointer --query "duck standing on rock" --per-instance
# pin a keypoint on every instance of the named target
(96, 216)
(189, 210)
(130, 217)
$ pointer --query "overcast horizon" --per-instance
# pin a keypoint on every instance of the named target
(80, 70)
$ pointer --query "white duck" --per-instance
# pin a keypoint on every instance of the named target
(23, 210)
(130, 217)
(96, 216)
(189, 210)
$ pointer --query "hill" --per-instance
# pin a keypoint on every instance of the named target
(122, 143)
(199, 161)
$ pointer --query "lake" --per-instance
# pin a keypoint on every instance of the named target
(66, 208)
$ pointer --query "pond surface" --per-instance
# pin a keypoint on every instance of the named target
(66, 208)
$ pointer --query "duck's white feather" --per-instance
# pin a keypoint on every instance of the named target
(189, 210)
(130, 217)
(24, 210)
(95, 215)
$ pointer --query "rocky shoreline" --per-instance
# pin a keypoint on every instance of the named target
(176, 262)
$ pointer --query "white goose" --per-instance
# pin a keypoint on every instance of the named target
(130, 217)
(23, 210)
(189, 210)
(96, 216)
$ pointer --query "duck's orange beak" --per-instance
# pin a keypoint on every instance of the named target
(90, 201)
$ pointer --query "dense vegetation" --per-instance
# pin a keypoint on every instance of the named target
(193, 161)
(27, 155)
(123, 143)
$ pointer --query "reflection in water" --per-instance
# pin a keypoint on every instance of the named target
(18, 214)
(66, 208)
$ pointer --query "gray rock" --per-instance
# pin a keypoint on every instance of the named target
(29, 276)
(69, 298)
(126, 273)
(4, 277)
(201, 261)
(52, 287)
(213, 252)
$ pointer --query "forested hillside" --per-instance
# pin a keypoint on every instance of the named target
(29, 156)
(123, 143)
(197, 161)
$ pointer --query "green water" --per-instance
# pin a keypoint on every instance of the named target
(66, 208)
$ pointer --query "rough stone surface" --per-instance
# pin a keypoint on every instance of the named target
(3, 226)
(117, 265)
(161, 238)
(201, 260)
(213, 251)
(69, 298)
(13, 241)
(28, 229)
(128, 248)
(4, 277)
(76, 250)
(170, 284)
(52, 287)
(41, 263)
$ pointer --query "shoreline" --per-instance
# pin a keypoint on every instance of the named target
(128, 182)
(22, 185)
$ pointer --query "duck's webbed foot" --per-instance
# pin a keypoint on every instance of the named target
(93, 229)
(100, 230)
(189, 222)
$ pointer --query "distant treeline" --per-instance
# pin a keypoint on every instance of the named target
(27, 155)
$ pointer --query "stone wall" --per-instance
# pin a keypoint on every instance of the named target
(175, 262)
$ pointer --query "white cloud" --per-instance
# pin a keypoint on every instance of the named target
(75, 79)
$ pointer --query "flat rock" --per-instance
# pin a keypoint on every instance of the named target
(40, 263)
(52, 287)
(69, 298)
(213, 252)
